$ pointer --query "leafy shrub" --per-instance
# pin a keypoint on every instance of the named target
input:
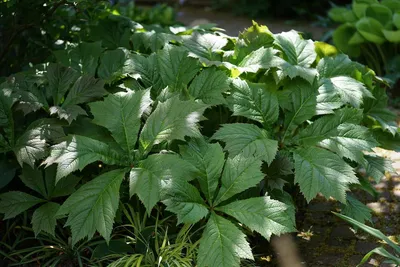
(124, 116)
(370, 32)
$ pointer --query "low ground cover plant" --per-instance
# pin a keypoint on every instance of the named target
(226, 134)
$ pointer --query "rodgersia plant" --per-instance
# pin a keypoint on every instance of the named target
(219, 129)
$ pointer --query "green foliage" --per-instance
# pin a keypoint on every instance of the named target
(214, 129)
(370, 32)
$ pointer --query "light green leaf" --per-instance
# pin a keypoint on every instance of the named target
(396, 20)
(356, 210)
(359, 6)
(93, 206)
(14, 202)
(302, 100)
(392, 36)
(85, 89)
(184, 200)
(204, 45)
(209, 85)
(341, 37)
(342, 14)
(248, 140)
(112, 63)
(60, 80)
(350, 142)
(297, 51)
(240, 173)
(350, 90)
(176, 68)
(255, 101)
(44, 218)
(319, 171)
(120, 113)
(376, 167)
(222, 244)
(78, 151)
(299, 54)
(172, 120)
(262, 58)
(379, 12)
(371, 30)
(252, 39)
(32, 144)
(262, 214)
(155, 173)
(209, 160)
(326, 126)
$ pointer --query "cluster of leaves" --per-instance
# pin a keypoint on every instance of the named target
(370, 32)
(284, 115)
(32, 29)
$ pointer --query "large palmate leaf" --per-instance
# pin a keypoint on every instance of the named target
(85, 89)
(112, 63)
(44, 218)
(156, 172)
(209, 160)
(32, 145)
(350, 142)
(60, 80)
(209, 85)
(78, 151)
(172, 120)
(176, 68)
(93, 206)
(301, 99)
(254, 101)
(299, 55)
(83, 57)
(204, 45)
(262, 58)
(240, 173)
(319, 171)
(248, 140)
(350, 90)
(222, 244)
(327, 126)
(14, 202)
(262, 214)
(252, 39)
(147, 70)
(44, 181)
(120, 113)
(184, 199)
